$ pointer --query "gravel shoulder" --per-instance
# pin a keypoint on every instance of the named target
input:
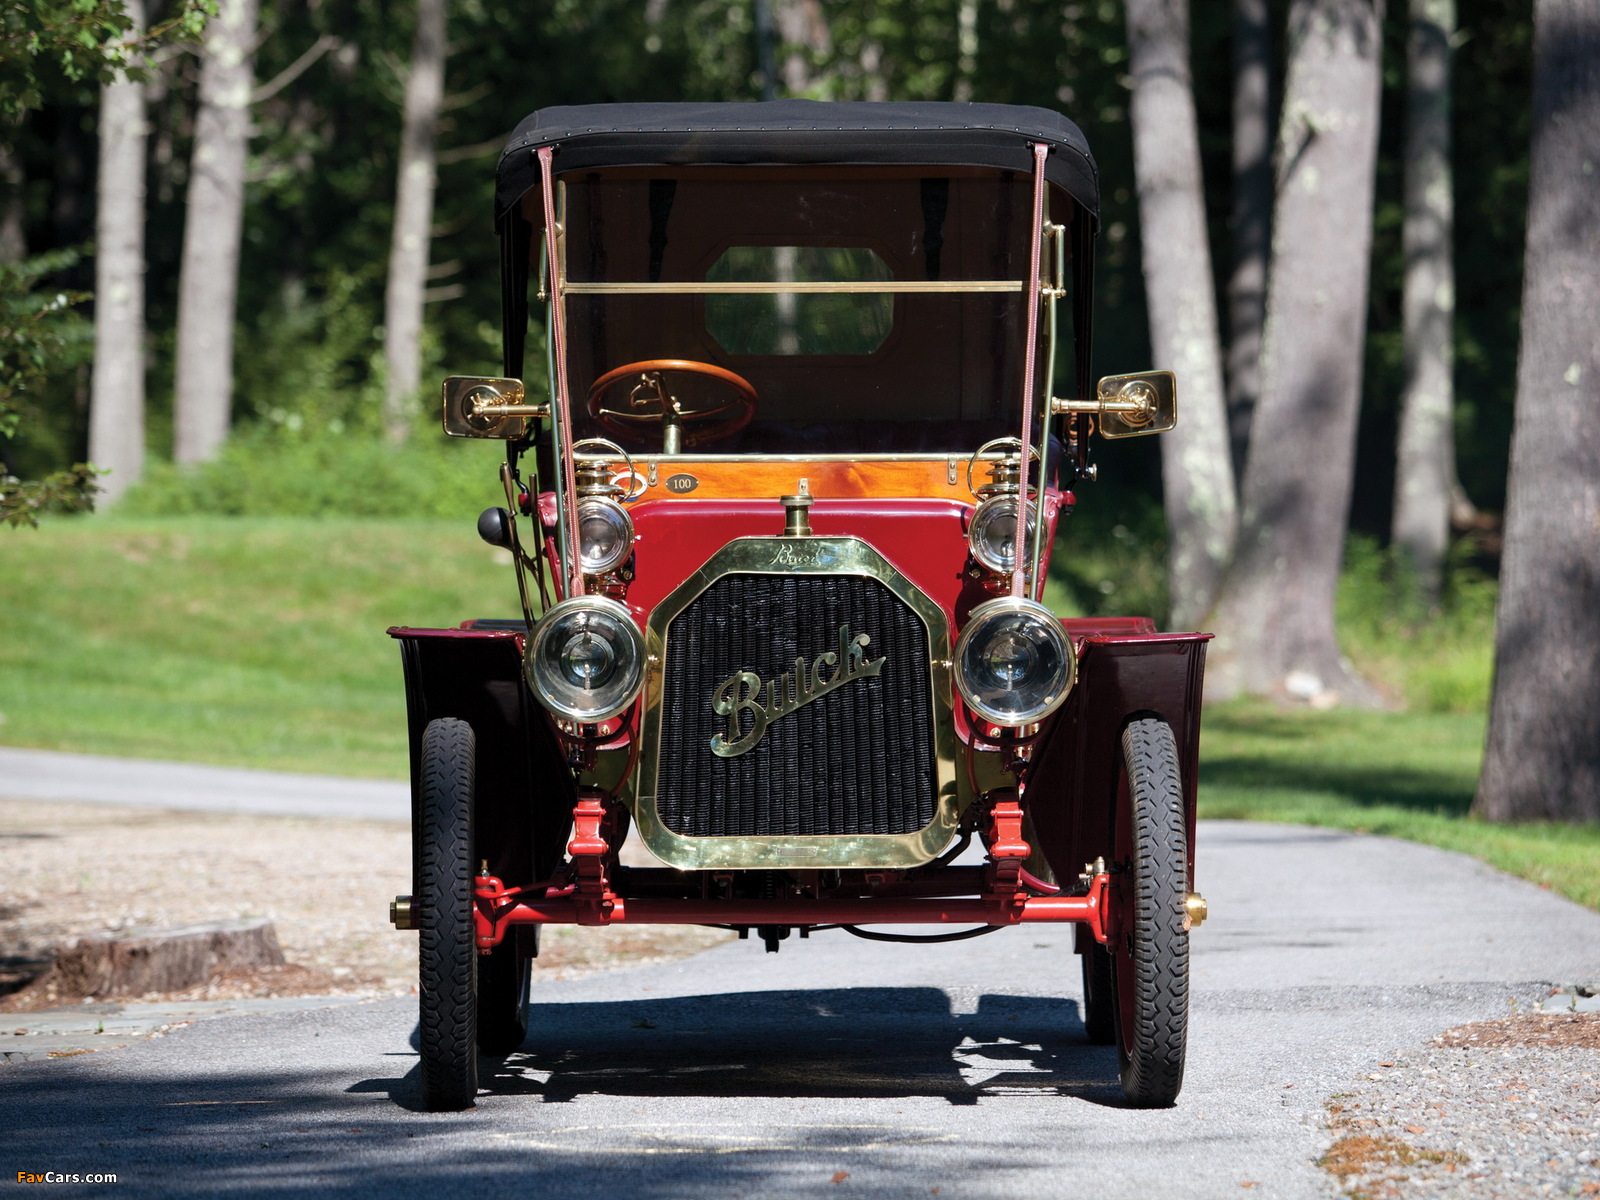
(852, 1069)
(71, 870)
(1322, 982)
(1486, 1111)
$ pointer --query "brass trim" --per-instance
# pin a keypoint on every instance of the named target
(815, 556)
(480, 406)
(619, 613)
(403, 913)
(752, 288)
(789, 692)
(1129, 405)
(927, 456)
(796, 512)
(1194, 910)
(1015, 604)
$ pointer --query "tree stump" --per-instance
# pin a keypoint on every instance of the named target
(137, 961)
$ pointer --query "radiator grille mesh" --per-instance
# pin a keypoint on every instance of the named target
(859, 760)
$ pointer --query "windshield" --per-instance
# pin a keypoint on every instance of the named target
(867, 310)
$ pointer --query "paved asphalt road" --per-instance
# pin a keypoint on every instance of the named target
(143, 783)
(845, 1069)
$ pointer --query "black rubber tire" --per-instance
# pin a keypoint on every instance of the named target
(1099, 996)
(503, 978)
(1151, 965)
(447, 957)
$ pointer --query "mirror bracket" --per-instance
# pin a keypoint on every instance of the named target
(478, 406)
(1128, 405)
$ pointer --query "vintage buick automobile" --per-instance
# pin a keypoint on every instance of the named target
(780, 514)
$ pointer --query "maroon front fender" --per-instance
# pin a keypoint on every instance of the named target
(1071, 786)
(525, 792)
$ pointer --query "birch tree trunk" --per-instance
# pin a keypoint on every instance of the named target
(208, 280)
(1425, 456)
(765, 51)
(803, 30)
(13, 237)
(1196, 470)
(1275, 616)
(966, 48)
(1252, 217)
(1543, 755)
(116, 387)
(413, 221)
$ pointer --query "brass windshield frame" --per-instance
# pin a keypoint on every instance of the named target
(798, 556)
(753, 287)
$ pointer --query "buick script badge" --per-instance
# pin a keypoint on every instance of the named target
(741, 691)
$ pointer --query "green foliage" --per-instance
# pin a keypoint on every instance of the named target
(297, 469)
(1110, 556)
(75, 40)
(314, 360)
(319, 200)
(22, 501)
(78, 40)
(259, 642)
(39, 332)
(246, 642)
(1408, 775)
(1110, 559)
(37, 327)
(1490, 130)
(312, 446)
(1439, 661)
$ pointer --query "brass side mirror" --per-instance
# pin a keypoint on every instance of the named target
(479, 407)
(1129, 405)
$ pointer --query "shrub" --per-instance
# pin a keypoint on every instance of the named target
(268, 471)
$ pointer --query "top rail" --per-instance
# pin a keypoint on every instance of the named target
(735, 288)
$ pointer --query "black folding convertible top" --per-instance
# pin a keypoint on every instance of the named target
(798, 132)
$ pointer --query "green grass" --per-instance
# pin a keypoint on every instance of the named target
(1403, 774)
(258, 641)
(247, 642)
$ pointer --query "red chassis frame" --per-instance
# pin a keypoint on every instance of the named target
(1068, 789)
(589, 900)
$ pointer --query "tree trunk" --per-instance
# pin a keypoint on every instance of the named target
(1252, 217)
(1275, 616)
(13, 211)
(413, 221)
(1543, 756)
(966, 48)
(1425, 456)
(765, 52)
(116, 390)
(137, 962)
(803, 30)
(208, 280)
(1196, 472)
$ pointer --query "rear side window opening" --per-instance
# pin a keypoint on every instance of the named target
(796, 323)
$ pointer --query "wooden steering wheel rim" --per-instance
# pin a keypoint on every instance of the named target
(733, 379)
(627, 425)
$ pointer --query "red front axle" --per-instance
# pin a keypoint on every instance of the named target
(588, 899)
(494, 915)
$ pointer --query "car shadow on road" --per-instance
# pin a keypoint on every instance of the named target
(830, 1042)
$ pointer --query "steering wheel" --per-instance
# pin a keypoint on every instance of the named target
(650, 403)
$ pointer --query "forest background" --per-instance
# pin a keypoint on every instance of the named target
(307, 434)
(319, 200)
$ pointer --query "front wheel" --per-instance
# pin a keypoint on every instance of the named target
(447, 955)
(1099, 996)
(503, 978)
(1150, 967)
